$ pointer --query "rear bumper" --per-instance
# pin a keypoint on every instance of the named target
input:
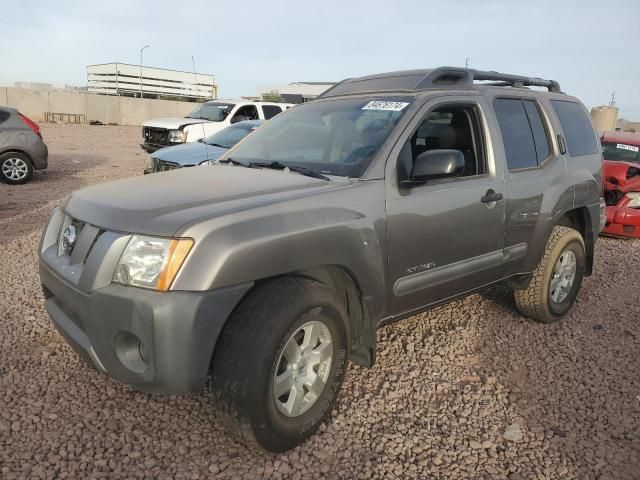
(40, 156)
(157, 342)
(622, 222)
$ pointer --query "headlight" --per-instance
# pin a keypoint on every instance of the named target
(634, 199)
(151, 262)
(177, 136)
(208, 162)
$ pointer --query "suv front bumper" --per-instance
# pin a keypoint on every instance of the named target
(159, 342)
(152, 147)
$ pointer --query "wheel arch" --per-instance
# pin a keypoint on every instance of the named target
(17, 150)
(345, 284)
(579, 219)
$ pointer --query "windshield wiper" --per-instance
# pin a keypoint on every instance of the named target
(309, 172)
(216, 145)
(236, 162)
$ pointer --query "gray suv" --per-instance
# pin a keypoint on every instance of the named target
(22, 149)
(266, 274)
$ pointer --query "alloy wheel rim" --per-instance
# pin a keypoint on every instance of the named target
(15, 168)
(303, 368)
(564, 274)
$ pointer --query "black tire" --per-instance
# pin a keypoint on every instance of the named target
(20, 159)
(247, 354)
(536, 301)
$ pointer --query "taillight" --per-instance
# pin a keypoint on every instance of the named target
(31, 124)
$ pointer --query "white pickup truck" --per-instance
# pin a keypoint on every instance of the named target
(206, 119)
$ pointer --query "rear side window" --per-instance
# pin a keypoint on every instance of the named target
(270, 111)
(3, 116)
(581, 139)
(525, 139)
(537, 128)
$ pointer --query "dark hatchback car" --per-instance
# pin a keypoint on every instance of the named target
(22, 149)
(203, 152)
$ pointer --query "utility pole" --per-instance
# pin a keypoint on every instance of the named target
(467, 62)
(141, 50)
(612, 102)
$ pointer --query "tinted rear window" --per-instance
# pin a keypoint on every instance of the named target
(4, 115)
(270, 111)
(517, 137)
(578, 132)
(537, 127)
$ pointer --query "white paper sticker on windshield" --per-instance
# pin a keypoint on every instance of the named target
(622, 146)
(382, 105)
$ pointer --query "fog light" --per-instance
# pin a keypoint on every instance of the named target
(130, 351)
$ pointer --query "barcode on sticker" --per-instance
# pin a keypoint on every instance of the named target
(622, 146)
(382, 105)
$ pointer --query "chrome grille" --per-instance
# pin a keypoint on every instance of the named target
(84, 237)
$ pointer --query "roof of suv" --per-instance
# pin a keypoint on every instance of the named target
(441, 78)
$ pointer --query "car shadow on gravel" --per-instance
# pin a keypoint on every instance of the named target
(24, 208)
(572, 386)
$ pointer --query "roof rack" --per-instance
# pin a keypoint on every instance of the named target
(414, 80)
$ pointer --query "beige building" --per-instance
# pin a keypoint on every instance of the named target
(296, 92)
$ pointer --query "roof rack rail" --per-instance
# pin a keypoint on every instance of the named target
(412, 80)
(517, 80)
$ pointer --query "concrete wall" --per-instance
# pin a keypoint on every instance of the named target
(103, 108)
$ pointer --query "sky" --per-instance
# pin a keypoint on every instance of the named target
(591, 47)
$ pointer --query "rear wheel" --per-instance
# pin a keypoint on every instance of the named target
(556, 281)
(15, 168)
(280, 363)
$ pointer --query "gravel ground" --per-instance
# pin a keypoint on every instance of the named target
(469, 390)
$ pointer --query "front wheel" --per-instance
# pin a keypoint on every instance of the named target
(15, 168)
(556, 281)
(280, 362)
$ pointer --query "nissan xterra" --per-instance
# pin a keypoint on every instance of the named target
(267, 273)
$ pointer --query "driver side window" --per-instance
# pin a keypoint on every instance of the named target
(452, 127)
(247, 112)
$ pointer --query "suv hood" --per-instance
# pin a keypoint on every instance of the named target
(172, 123)
(189, 153)
(161, 203)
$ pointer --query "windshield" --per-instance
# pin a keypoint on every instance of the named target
(228, 137)
(620, 152)
(336, 137)
(214, 112)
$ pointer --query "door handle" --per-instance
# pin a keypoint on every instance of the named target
(491, 197)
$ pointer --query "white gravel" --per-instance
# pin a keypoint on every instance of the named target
(469, 390)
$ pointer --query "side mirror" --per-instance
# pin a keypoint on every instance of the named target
(437, 164)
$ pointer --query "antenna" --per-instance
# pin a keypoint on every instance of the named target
(612, 102)
(195, 81)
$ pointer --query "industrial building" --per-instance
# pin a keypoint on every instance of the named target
(124, 79)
